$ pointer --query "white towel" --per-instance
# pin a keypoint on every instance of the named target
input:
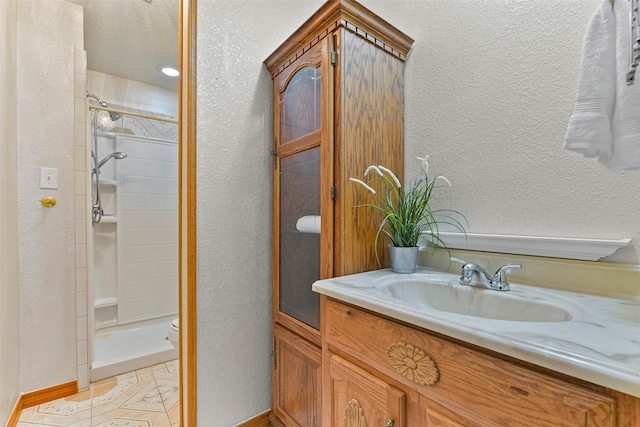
(589, 131)
(625, 153)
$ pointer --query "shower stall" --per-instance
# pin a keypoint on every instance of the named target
(133, 293)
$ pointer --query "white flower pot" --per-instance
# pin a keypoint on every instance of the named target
(403, 260)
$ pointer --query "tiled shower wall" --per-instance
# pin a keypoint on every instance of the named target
(82, 217)
(148, 229)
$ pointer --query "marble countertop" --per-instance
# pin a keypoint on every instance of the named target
(600, 344)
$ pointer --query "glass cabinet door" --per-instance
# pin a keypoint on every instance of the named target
(300, 105)
(300, 235)
(300, 183)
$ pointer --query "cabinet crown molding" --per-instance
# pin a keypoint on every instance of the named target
(334, 14)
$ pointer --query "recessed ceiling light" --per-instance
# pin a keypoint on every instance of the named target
(169, 70)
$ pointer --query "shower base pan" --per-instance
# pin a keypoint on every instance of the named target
(125, 348)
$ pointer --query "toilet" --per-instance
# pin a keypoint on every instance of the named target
(174, 332)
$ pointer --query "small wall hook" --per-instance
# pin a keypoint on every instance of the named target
(48, 201)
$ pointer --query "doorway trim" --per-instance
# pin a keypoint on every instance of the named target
(187, 212)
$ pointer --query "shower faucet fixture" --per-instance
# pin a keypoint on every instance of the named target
(114, 116)
(96, 204)
(118, 155)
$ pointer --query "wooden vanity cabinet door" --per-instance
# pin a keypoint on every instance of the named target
(297, 378)
(359, 399)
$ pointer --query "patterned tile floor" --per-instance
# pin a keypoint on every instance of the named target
(148, 397)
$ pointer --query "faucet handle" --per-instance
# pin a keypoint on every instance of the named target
(499, 281)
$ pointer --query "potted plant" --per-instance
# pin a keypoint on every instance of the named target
(407, 213)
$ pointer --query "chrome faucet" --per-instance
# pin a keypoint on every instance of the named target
(475, 275)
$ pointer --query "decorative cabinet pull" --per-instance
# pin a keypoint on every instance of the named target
(389, 423)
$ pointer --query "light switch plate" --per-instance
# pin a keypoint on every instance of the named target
(49, 178)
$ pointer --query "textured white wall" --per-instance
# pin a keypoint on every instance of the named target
(234, 202)
(9, 338)
(490, 87)
(46, 254)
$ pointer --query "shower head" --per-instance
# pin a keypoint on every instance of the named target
(118, 155)
(114, 116)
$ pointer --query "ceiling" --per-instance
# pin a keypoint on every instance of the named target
(132, 38)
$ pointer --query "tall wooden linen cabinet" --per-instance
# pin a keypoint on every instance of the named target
(338, 107)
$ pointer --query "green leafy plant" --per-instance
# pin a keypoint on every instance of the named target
(407, 210)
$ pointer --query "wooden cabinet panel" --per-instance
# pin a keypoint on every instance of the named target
(372, 109)
(487, 389)
(360, 399)
(297, 377)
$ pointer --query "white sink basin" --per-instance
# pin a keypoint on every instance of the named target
(589, 337)
(449, 296)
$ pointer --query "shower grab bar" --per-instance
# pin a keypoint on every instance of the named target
(134, 114)
(96, 204)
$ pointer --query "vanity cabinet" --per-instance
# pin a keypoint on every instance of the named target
(338, 107)
(428, 380)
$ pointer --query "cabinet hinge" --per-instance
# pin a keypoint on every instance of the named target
(274, 152)
(334, 192)
(274, 355)
(334, 57)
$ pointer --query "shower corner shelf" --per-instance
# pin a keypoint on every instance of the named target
(105, 302)
(109, 219)
(110, 182)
